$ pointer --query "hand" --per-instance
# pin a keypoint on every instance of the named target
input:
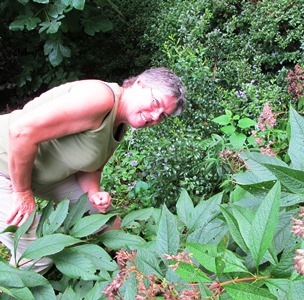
(100, 200)
(23, 204)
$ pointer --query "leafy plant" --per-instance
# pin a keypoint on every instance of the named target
(237, 250)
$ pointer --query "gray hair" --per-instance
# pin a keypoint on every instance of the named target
(166, 82)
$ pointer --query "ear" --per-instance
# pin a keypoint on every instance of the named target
(139, 83)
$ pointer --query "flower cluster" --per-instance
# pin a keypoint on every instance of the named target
(233, 159)
(298, 230)
(180, 257)
(148, 286)
(266, 120)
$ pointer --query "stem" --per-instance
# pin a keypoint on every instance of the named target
(218, 285)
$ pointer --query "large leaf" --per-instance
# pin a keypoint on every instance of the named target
(23, 293)
(255, 161)
(138, 215)
(286, 289)
(290, 178)
(56, 217)
(264, 224)
(184, 208)
(207, 255)
(76, 212)
(234, 228)
(205, 211)
(22, 230)
(90, 224)
(167, 241)
(296, 144)
(27, 21)
(248, 291)
(56, 51)
(191, 273)
(147, 263)
(117, 239)
(12, 277)
(75, 264)
(244, 217)
(212, 233)
(48, 245)
(98, 256)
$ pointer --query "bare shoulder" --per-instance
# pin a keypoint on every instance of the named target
(96, 91)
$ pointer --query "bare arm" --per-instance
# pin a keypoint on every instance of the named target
(90, 183)
(84, 108)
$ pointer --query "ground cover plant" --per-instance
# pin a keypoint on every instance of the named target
(248, 246)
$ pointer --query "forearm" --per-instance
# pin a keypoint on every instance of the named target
(21, 157)
(89, 181)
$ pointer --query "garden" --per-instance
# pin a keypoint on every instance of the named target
(211, 202)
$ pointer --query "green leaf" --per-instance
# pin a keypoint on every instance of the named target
(138, 215)
(247, 291)
(117, 239)
(246, 123)
(147, 263)
(222, 120)
(21, 231)
(78, 4)
(98, 256)
(45, 292)
(43, 222)
(184, 208)
(51, 26)
(264, 224)
(244, 217)
(97, 24)
(256, 161)
(229, 130)
(48, 245)
(237, 140)
(11, 228)
(205, 211)
(56, 217)
(23, 293)
(76, 212)
(234, 229)
(290, 178)
(285, 288)
(17, 278)
(26, 21)
(167, 240)
(191, 273)
(75, 264)
(212, 233)
(296, 143)
(206, 255)
(56, 52)
(89, 225)
(42, 1)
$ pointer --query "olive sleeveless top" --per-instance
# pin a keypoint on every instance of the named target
(59, 158)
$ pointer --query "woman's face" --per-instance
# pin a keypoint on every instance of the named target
(149, 107)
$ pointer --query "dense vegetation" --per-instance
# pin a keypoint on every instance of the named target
(207, 199)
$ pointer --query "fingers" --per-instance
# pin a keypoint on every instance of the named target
(101, 201)
(23, 204)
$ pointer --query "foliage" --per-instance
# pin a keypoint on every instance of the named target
(232, 55)
(243, 249)
(46, 43)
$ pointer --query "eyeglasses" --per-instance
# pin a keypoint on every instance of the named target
(155, 105)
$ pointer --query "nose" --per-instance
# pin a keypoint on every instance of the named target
(155, 115)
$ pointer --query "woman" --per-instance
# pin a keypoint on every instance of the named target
(56, 147)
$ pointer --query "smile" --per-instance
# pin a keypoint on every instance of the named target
(143, 117)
